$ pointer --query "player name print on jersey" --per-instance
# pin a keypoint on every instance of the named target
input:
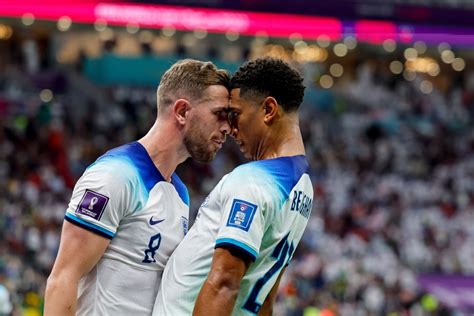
(92, 204)
(185, 224)
(301, 203)
(241, 214)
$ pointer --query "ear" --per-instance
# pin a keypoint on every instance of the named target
(181, 108)
(270, 107)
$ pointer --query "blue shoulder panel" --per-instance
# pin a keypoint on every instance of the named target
(180, 188)
(136, 154)
(284, 172)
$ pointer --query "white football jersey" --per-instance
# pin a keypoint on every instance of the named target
(261, 210)
(123, 197)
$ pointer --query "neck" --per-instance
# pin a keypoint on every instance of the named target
(166, 152)
(284, 139)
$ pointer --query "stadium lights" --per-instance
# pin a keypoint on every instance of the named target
(420, 47)
(340, 50)
(447, 56)
(28, 19)
(64, 23)
(422, 64)
(458, 64)
(168, 31)
(396, 67)
(295, 38)
(46, 95)
(443, 46)
(300, 46)
(389, 45)
(433, 69)
(336, 70)
(100, 25)
(410, 54)
(200, 33)
(232, 36)
(311, 53)
(276, 51)
(326, 81)
(350, 42)
(323, 40)
(5, 32)
(426, 87)
(132, 28)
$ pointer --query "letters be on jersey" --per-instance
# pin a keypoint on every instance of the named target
(241, 214)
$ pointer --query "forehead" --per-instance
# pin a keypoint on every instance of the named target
(215, 93)
(235, 100)
(215, 97)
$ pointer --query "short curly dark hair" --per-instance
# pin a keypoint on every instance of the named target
(270, 77)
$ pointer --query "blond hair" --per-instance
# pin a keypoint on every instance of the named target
(188, 78)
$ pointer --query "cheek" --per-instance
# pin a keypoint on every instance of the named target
(204, 126)
(248, 127)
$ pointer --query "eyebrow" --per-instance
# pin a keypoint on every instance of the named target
(220, 108)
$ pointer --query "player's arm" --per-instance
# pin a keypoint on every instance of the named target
(79, 252)
(220, 290)
(267, 306)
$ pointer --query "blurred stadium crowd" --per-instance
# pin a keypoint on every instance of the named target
(393, 169)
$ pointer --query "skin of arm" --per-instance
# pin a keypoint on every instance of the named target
(221, 288)
(79, 252)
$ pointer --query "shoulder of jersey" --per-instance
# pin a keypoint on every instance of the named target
(130, 161)
(282, 173)
(133, 163)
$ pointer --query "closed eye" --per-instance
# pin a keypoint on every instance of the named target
(221, 115)
(232, 117)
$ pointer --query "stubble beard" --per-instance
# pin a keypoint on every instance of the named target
(197, 145)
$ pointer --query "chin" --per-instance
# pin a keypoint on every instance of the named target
(210, 157)
(246, 155)
(204, 158)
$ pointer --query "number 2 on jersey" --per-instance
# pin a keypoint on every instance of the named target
(281, 252)
(153, 246)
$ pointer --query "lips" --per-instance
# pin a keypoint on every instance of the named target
(218, 142)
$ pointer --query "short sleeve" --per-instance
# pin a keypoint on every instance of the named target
(99, 201)
(243, 220)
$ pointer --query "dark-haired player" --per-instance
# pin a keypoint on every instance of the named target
(129, 210)
(248, 228)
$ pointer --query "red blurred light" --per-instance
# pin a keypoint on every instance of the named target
(375, 32)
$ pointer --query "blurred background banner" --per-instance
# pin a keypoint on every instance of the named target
(456, 292)
(243, 22)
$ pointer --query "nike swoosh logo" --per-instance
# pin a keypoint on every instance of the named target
(152, 222)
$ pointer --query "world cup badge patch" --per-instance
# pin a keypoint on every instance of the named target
(92, 204)
(241, 214)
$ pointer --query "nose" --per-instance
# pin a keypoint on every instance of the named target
(233, 132)
(225, 128)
